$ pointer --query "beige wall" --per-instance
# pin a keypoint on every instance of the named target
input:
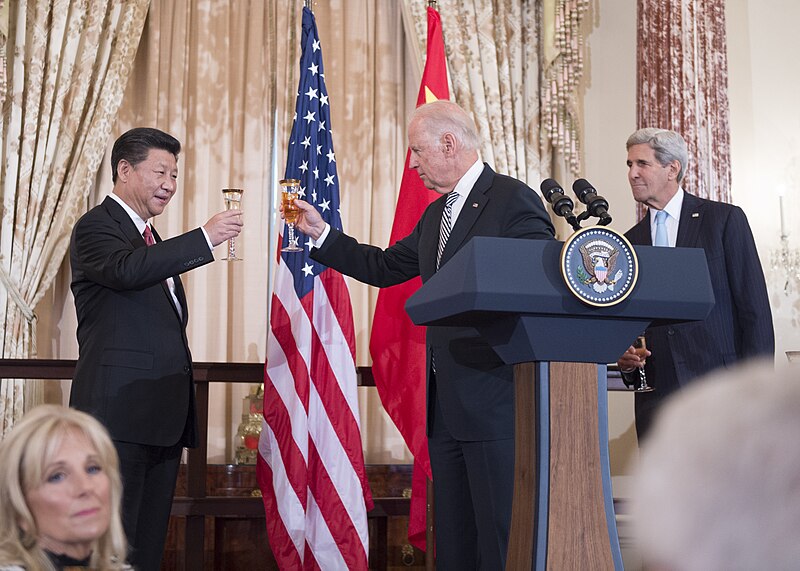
(764, 83)
(609, 117)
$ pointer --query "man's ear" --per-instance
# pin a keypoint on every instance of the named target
(449, 143)
(124, 169)
(674, 169)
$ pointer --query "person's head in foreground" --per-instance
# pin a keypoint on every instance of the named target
(60, 492)
(718, 487)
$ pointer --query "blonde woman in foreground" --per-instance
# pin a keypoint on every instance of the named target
(60, 494)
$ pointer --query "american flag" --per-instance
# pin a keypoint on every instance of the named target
(310, 465)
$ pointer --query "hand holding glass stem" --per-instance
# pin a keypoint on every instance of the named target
(290, 188)
(233, 201)
(640, 348)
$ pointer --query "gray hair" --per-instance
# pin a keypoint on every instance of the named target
(718, 485)
(444, 116)
(668, 146)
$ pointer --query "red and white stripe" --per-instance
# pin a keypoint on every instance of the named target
(310, 465)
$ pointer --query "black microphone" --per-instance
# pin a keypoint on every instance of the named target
(562, 204)
(596, 205)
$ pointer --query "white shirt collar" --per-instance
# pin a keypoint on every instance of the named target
(466, 182)
(464, 187)
(135, 218)
(673, 207)
(673, 210)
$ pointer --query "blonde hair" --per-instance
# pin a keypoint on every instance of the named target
(24, 455)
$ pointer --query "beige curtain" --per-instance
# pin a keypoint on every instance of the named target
(516, 67)
(493, 62)
(67, 67)
(222, 77)
(682, 69)
(3, 49)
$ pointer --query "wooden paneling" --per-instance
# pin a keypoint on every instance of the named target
(240, 541)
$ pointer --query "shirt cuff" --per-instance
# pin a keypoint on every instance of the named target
(319, 241)
(208, 240)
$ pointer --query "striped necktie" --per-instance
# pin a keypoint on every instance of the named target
(446, 225)
(661, 229)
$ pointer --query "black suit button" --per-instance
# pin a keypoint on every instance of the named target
(670, 331)
(187, 369)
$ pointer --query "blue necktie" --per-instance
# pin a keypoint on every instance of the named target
(661, 229)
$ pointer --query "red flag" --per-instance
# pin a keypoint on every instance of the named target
(310, 465)
(397, 346)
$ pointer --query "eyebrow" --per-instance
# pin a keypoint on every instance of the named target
(62, 463)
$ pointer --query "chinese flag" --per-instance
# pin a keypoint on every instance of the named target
(397, 345)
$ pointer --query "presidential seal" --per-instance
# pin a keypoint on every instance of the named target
(599, 266)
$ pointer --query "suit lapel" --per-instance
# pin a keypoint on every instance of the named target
(690, 222)
(640, 233)
(473, 206)
(429, 238)
(126, 225)
(128, 228)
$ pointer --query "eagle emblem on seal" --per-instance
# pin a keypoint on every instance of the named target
(599, 260)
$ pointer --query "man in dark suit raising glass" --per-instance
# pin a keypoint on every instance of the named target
(134, 370)
(470, 392)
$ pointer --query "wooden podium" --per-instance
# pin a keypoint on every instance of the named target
(511, 291)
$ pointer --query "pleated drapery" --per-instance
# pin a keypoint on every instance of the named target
(67, 66)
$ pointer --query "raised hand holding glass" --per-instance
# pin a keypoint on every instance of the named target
(233, 201)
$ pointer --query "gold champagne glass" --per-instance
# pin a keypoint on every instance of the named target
(290, 187)
(640, 348)
(233, 201)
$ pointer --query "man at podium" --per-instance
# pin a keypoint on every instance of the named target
(740, 324)
(470, 392)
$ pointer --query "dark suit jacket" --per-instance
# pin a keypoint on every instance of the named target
(740, 324)
(134, 369)
(475, 389)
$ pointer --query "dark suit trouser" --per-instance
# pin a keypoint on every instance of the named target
(473, 486)
(149, 474)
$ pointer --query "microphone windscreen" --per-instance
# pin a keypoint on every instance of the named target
(581, 188)
(550, 186)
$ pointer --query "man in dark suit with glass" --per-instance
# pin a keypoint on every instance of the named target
(134, 370)
(740, 324)
(470, 392)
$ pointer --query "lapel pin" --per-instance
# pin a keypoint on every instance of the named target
(474, 205)
(695, 215)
